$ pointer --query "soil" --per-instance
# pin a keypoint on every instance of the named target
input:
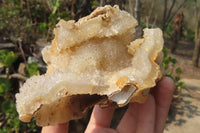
(184, 115)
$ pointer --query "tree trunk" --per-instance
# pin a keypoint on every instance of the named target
(137, 10)
(196, 52)
(102, 3)
(164, 15)
(151, 9)
(176, 11)
(170, 10)
(168, 15)
(130, 5)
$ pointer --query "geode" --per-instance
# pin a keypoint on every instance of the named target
(96, 60)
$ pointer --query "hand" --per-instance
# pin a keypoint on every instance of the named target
(149, 117)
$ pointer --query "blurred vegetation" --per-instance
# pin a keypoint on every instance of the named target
(169, 64)
(168, 30)
(23, 22)
(189, 35)
(26, 21)
(32, 69)
(7, 58)
(8, 115)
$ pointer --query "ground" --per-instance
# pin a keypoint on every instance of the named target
(184, 116)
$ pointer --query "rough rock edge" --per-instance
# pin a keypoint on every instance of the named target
(39, 108)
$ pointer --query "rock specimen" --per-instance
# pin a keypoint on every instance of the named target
(96, 60)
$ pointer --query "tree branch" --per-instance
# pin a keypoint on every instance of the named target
(181, 5)
(7, 45)
(15, 75)
(164, 15)
(170, 10)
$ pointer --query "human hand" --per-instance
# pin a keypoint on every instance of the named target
(149, 117)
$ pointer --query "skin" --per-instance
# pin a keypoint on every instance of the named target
(149, 117)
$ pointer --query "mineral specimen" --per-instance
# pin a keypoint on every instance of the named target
(96, 60)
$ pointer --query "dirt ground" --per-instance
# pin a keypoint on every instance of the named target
(185, 111)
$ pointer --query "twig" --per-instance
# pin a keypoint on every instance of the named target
(15, 75)
(154, 22)
(4, 122)
(175, 12)
(18, 76)
(22, 51)
(170, 10)
(7, 45)
(7, 72)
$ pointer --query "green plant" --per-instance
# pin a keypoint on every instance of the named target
(42, 27)
(169, 64)
(32, 69)
(7, 58)
(10, 122)
(14, 21)
(168, 30)
(143, 24)
(190, 34)
(28, 20)
(58, 12)
(95, 4)
(8, 114)
(5, 86)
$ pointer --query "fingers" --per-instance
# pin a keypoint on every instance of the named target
(100, 119)
(128, 122)
(163, 95)
(139, 118)
(146, 116)
(150, 116)
(60, 128)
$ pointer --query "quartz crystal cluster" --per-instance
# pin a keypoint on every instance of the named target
(95, 60)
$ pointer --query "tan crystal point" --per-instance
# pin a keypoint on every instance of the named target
(92, 61)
